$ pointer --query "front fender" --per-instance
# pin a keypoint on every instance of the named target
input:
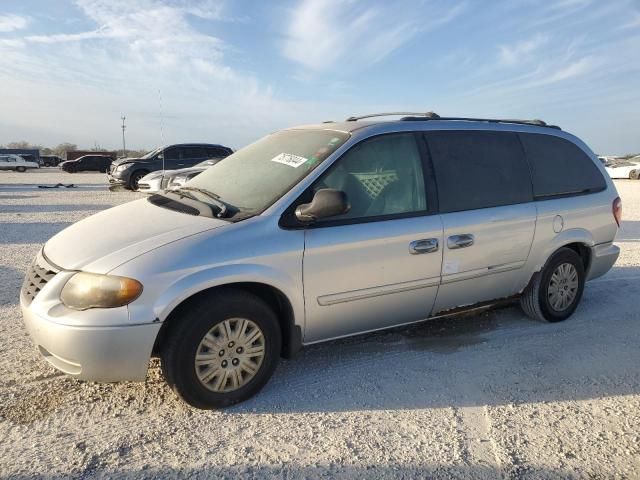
(196, 282)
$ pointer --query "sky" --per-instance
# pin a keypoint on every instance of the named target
(232, 71)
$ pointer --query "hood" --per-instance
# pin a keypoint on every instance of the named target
(103, 241)
(120, 161)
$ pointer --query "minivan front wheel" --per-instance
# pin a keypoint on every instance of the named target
(556, 291)
(222, 349)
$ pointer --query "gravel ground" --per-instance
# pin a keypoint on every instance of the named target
(491, 395)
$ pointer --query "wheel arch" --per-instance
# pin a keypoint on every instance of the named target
(272, 296)
(578, 240)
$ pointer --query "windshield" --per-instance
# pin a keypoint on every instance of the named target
(151, 154)
(256, 176)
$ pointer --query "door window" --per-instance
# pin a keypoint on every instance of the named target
(476, 169)
(193, 153)
(381, 176)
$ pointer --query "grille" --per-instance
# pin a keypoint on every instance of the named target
(37, 277)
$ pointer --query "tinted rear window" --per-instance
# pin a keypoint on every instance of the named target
(479, 169)
(559, 167)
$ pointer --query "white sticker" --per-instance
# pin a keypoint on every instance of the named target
(289, 159)
(451, 266)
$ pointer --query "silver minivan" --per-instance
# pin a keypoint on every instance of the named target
(320, 232)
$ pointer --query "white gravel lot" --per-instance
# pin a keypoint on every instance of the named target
(492, 395)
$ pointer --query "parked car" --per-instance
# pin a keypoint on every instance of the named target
(87, 163)
(29, 154)
(322, 232)
(620, 168)
(129, 171)
(16, 162)
(155, 182)
(50, 160)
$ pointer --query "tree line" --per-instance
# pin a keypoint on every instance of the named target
(62, 149)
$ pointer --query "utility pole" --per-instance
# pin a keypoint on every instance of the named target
(124, 145)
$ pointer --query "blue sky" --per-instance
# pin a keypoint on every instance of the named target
(231, 71)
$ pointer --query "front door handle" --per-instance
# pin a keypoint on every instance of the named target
(460, 241)
(427, 245)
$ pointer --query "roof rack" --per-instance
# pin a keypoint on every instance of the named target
(421, 117)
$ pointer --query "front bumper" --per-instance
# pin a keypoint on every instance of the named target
(603, 257)
(101, 354)
(116, 180)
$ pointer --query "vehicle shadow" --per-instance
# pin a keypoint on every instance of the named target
(394, 470)
(10, 285)
(29, 233)
(30, 208)
(495, 358)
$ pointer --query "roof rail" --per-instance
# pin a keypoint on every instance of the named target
(534, 122)
(422, 115)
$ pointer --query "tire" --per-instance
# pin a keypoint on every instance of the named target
(207, 316)
(537, 300)
(135, 178)
(21, 169)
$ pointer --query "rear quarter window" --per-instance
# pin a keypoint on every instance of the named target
(479, 169)
(558, 167)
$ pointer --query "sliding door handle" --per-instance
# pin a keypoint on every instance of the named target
(460, 241)
(427, 245)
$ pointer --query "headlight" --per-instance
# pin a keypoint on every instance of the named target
(91, 290)
(178, 180)
(120, 168)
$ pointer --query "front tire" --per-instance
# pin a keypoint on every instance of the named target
(222, 349)
(135, 178)
(554, 294)
(21, 169)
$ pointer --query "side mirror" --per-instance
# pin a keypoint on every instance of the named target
(326, 203)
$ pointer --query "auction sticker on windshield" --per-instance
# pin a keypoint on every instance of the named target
(289, 159)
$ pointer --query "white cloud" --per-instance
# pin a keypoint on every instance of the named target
(10, 23)
(137, 51)
(522, 51)
(322, 33)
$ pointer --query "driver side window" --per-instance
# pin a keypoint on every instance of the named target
(381, 176)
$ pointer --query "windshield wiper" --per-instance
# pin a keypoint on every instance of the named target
(216, 198)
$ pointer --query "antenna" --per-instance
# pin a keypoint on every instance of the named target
(161, 124)
(124, 145)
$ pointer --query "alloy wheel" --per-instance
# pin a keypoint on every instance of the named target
(563, 287)
(230, 355)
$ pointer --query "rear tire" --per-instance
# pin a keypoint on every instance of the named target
(21, 169)
(218, 330)
(555, 292)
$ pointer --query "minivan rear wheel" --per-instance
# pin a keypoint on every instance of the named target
(222, 349)
(554, 294)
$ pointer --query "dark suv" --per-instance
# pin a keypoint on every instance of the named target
(50, 160)
(95, 163)
(128, 171)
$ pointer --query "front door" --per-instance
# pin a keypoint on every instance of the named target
(379, 264)
(488, 215)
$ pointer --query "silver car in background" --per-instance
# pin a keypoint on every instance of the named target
(10, 161)
(161, 180)
(321, 232)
